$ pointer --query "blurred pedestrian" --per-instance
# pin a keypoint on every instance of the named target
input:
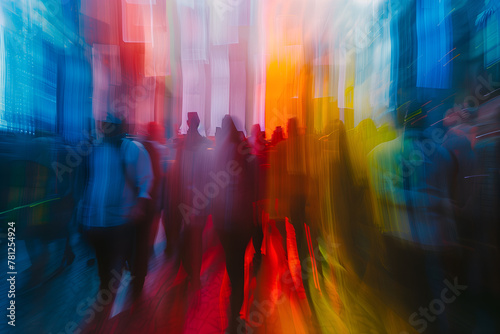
(191, 172)
(233, 210)
(116, 198)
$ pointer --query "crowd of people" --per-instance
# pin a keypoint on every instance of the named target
(380, 217)
(384, 197)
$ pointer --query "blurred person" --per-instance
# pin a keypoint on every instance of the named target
(217, 135)
(257, 140)
(427, 183)
(116, 198)
(483, 238)
(386, 176)
(296, 169)
(290, 188)
(189, 204)
(233, 210)
(459, 142)
(410, 181)
(362, 139)
(260, 155)
(347, 223)
(367, 134)
(277, 136)
(429, 240)
(145, 230)
(172, 217)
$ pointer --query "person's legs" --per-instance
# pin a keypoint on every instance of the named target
(304, 256)
(298, 218)
(304, 239)
(257, 238)
(192, 250)
(96, 237)
(110, 245)
(234, 245)
(196, 240)
(140, 259)
(172, 219)
(172, 228)
(120, 242)
(235, 264)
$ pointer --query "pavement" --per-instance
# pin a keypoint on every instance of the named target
(67, 299)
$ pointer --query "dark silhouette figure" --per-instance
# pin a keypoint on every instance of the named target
(277, 136)
(233, 209)
(192, 206)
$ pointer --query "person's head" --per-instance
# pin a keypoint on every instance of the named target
(113, 126)
(366, 129)
(277, 135)
(156, 132)
(193, 120)
(228, 129)
(256, 132)
(218, 133)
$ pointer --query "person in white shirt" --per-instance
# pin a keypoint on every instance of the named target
(116, 197)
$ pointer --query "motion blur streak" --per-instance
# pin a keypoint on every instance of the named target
(250, 166)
